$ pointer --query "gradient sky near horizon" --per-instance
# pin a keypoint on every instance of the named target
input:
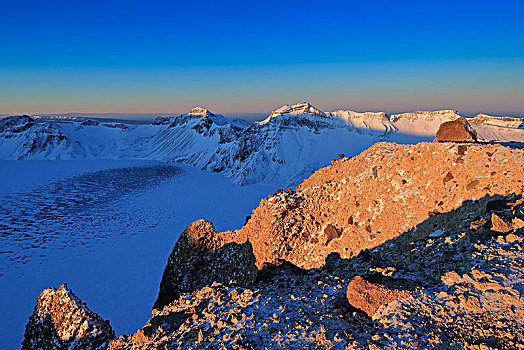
(241, 56)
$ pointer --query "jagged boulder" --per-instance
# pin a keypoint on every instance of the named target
(457, 130)
(202, 256)
(368, 293)
(62, 321)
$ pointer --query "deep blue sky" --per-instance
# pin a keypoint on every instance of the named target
(242, 56)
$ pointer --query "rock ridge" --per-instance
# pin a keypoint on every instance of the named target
(202, 256)
(62, 321)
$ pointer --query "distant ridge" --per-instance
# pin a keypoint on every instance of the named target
(288, 145)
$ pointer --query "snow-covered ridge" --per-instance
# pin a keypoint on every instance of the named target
(303, 108)
(447, 114)
(378, 121)
(285, 147)
(508, 122)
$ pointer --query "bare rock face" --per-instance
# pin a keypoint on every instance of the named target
(200, 257)
(62, 321)
(457, 130)
(369, 293)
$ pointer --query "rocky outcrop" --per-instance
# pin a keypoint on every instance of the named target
(62, 321)
(361, 202)
(116, 126)
(457, 130)
(427, 288)
(374, 210)
(202, 256)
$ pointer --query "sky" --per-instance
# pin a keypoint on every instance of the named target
(252, 57)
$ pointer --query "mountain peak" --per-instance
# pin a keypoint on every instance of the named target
(440, 111)
(296, 109)
(201, 111)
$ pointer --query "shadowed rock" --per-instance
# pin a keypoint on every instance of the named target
(202, 256)
(457, 130)
(62, 321)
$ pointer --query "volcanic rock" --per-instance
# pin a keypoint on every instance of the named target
(457, 130)
(200, 257)
(369, 293)
(62, 321)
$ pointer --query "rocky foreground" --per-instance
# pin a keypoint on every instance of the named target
(402, 246)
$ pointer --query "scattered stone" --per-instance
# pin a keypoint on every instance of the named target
(375, 172)
(475, 225)
(472, 184)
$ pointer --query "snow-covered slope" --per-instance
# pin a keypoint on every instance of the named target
(294, 110)
(288, 145)
(498, 128)
(22, 138)
(193, 138)
(378, 121)
(422, 122)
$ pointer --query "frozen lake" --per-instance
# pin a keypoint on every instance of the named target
(106, 228)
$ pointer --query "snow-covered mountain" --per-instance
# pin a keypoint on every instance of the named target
(288, 145)
(21, 137)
